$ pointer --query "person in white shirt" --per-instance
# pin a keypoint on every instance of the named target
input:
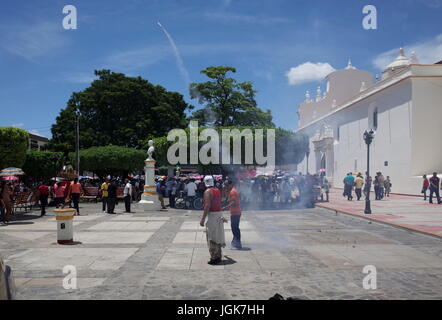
(127, 195)
(191, 192)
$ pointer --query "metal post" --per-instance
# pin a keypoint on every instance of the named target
(77, 148)
(368, 137)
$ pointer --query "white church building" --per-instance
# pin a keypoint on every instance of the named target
(404, 108)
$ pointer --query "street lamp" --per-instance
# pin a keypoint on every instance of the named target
(307, 153)
(368, 138)
(77, 142)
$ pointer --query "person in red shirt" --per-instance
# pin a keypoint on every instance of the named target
(43, 194)
(74, 194)
(425, 186)
(234, 203)
(215, 221)
(59, 190)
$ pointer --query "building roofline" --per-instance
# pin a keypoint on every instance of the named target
(377, 87)
(31, 135)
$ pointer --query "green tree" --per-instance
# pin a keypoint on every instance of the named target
(119, 110)
(42, 165)
(114, 160)
(226, 101)
(290, 147)
(13, 145)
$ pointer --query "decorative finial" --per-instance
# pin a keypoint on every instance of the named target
(350, 65)
(363, 86)
(307, 96)
(401, 51)
(318, 94)
(377, 77)
(413, 58)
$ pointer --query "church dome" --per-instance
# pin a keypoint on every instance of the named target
(400, 61)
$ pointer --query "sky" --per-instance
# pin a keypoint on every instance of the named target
(284, 47)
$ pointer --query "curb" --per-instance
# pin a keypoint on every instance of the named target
(371, 218)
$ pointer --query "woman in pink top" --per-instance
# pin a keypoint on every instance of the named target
(59, 194)
(75, 192)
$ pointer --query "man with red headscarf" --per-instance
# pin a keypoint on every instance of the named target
(215, 221)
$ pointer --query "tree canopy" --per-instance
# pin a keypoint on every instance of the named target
(43, 165)
(119, 110)
(114, 160)
(226, 101)
(290, 147)
(13, 145)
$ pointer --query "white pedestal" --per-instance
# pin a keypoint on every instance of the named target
(149, 198)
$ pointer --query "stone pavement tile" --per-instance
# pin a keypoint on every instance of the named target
(250, 237)
(176, 259)
(391, 256)
(113, 292)
(271, 260)
(240, 259)
(57, 258)
(328, 257)
(27, 235)
(127, 226)
(200, 258)
(111, 237)
(189, 237)
(40, 225)
(194, 225)
(82, 283)
(131, 217)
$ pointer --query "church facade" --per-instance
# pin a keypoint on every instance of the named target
(404, 108)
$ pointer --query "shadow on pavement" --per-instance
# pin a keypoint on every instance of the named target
(227, 260)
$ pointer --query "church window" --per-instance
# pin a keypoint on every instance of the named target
(375, 119)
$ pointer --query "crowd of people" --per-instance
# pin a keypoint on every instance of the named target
(262, 192)
(360, 185)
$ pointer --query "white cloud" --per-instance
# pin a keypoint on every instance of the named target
(80, 78)
(31, 41)
(135, 59)
(243, 18)
(131, 60)
(309, 72)
(36, 132)
(17, 125)
(427, 52)
(434, 4)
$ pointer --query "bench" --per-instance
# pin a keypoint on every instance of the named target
(24, 200)
(90, 193)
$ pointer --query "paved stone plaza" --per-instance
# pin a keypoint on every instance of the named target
(309, 254)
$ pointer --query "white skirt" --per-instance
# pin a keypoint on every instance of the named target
(215, 228)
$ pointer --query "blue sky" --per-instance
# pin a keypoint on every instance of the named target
(41, 64)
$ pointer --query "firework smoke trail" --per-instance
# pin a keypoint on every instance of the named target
(179, 61)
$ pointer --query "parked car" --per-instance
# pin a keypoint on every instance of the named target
(7, 285)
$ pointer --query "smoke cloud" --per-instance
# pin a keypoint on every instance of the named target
(179, 61)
